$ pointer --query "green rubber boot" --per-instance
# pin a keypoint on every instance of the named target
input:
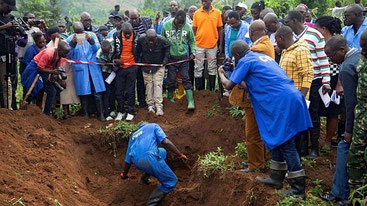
(170, 96)
(190, 99)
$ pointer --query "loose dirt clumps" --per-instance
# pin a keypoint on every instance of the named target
(45, 161)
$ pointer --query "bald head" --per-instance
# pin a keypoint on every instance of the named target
(86, 19)
(355, 8)
(133, 12)
(257, 30)
(271, 22)
(239, 49)
(335, 43)
(78, 27)
(151, 37)
(266, 11)
(353, 15)
(63, 49)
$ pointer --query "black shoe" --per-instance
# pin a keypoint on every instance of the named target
(297, 181)
(156, 198)
(144, 180)
(328, 197)
(84, 103)
(212, 82)
(247, 170)
(245, 165)
(313, 155)
(99, 105)
(278, 170)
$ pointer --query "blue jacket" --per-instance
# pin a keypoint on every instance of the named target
(30, 53)
(242, 35)
(86, 52)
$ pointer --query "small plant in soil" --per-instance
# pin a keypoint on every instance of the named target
(317, 189)
(236, 111)
(58, 113)
(241, 151)
(308, 162)
(75, 108)
(16, 202)
(360, 192)
(213, 162)
(216, 109)
(310, 200)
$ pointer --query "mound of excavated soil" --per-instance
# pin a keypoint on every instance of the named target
(44, 160)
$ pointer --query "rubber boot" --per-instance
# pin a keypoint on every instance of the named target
(84, 103)
(315, 134)
(156, 197)
(277, 175)
(297, 181)
(170, 96)
(199, 83)
(181, 91)
(190, 99)
(99, 105)
(211, 82)
(175, 95)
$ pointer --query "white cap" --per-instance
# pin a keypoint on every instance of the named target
(242, 5)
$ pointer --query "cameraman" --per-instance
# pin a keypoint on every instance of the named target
(45, 64)
(6, 6)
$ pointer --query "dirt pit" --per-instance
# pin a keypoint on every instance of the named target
(45, 161)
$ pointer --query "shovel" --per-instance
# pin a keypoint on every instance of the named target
(24, 103)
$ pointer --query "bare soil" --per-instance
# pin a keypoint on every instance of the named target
(44, 160)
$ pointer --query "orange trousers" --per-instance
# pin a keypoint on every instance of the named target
(254, 144)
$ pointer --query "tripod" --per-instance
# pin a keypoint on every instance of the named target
(11, 71)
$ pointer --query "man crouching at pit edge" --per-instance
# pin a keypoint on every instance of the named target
(280, 110)
(143, 151)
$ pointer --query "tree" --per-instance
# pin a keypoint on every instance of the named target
(48, 10)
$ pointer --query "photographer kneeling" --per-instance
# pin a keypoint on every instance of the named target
(46, 64)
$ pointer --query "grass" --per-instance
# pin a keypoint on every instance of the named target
(359, 192)
(215, 161)
(16, 202)
(308, 162)
(215, 109)
(115, 134)
(241, 151)
(236, 111)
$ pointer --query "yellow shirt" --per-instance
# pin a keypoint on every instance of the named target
(297, 63)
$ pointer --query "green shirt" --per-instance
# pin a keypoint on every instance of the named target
(179, 39)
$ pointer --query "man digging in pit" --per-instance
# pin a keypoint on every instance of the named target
(143, 151)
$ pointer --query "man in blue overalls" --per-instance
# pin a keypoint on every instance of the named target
(143, 151)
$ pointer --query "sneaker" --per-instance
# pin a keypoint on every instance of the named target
(159, 112)
(113, 114)
(129, 117)
(109, 118)
(151, 109)
(120, 116)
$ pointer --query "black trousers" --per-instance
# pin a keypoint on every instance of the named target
(183, 68)
(140, 87)
(109, 96)
(125, 89)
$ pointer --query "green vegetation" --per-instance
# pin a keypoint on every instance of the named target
(310, 200)
(115, 134)
(213, 162)
(308, 162)
(241, 151)
(216, 109)
(360, 192)
(16, 202)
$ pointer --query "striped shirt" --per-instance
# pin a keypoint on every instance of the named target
(316, 45)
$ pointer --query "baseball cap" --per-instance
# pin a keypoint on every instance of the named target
(119, 16)
(11, 4)
(242, 5)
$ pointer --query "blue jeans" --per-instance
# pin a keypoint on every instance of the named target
(287, 152)
(51, 94)
(156, 166)
(340, 187)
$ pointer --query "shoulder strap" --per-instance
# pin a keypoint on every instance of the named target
(54, 62)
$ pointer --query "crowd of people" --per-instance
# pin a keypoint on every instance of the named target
(285, 73)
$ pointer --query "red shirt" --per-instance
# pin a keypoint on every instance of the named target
(127, 55)
(44, 59)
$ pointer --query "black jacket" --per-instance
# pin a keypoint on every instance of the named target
(117, 44)
(157, 55)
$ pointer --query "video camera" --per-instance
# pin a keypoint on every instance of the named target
(18, 28)
(59, 80)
